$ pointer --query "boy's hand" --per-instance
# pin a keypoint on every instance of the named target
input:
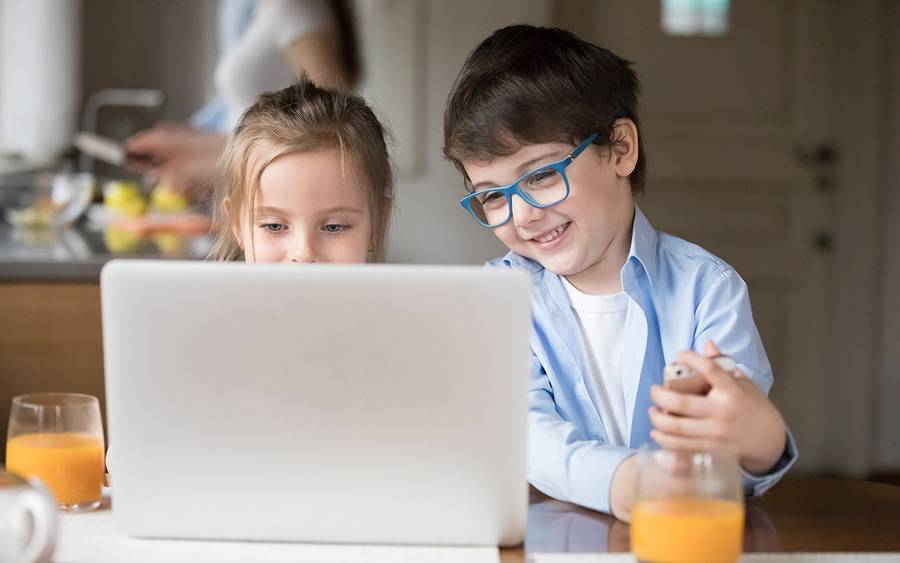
(735, 413)
(622, 489)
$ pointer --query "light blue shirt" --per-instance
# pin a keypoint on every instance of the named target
(233, 19)
(680, 296)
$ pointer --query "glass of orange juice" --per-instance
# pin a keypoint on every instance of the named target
(58, 438)
(689, 507)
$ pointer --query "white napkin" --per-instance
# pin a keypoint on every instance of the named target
(92, 538)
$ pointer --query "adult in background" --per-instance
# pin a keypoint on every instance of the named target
(263, 45)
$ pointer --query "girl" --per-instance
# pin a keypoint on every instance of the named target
(305, 177)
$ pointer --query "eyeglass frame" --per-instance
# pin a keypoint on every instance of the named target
(513, 189)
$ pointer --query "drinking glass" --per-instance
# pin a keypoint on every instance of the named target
(58, 438)
(689, 507)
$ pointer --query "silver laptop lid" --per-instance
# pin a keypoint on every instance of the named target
(327, 403)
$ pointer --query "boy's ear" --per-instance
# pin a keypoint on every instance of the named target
(235, 230)
(625, 147)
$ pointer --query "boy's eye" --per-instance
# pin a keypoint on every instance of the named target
(490, 197)
(543, 178)
(273, 227)
(334, 228)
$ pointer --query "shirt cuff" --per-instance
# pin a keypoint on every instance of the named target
(755, 485)
(592, 480)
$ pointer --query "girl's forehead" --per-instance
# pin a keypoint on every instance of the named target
(312, 182)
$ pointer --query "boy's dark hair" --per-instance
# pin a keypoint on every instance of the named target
(529, 85)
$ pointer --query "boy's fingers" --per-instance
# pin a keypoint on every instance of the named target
(683, 426)
(711, 350)
(671, 442)
(680, 403)
(716, 376)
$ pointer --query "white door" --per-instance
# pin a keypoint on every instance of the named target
(413, 50)
(739, 139)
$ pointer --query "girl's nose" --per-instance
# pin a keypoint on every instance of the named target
(301, 252)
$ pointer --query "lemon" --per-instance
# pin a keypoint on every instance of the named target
(120, 240)
(134, 207)
(125, 197)
(166, 200)
(169, 244)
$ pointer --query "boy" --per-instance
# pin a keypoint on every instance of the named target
(544, 128)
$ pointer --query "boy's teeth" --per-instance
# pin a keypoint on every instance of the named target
(552, 234)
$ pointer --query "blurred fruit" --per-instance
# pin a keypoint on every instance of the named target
(119, 240)
(169, 244)
(166, 200)
(31, 217)
(125, 197)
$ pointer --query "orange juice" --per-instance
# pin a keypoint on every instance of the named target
(687, 529)
(69, 463)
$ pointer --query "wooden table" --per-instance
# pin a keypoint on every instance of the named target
(799, 514)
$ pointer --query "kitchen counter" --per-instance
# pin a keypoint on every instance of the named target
(50, 326)
(78, 253)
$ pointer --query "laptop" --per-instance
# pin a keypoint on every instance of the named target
(317, 403)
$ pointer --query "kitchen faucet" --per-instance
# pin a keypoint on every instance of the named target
(121, 97)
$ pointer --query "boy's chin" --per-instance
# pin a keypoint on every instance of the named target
(560, 267)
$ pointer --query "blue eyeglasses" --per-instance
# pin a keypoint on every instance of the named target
(542, 187)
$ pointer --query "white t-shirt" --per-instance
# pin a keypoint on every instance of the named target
(601, 323)
(257, 62)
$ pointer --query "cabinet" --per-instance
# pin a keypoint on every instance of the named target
(50, 340)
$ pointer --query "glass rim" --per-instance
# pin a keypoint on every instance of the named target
(55, 399)
(689, 459)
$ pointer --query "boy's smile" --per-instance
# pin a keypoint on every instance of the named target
(586, 236)
(552, 238)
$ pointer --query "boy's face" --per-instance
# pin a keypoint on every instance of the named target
(308, 210)
(575, 234)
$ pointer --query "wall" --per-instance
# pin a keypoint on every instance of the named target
(887, 447)
(165, 44)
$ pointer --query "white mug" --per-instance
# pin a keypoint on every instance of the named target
(28, 521)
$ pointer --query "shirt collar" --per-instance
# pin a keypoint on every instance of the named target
(518, 261)
(644, 239)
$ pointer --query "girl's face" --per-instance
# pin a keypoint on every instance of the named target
(308, 210)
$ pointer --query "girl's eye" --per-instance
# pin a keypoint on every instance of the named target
(334, 228)
(273, 227)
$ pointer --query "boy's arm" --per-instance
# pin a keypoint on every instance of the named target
(724, 316)
(562, 461)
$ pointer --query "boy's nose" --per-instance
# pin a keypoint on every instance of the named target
(523, 213)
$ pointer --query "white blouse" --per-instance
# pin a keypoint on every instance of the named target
(257, 62)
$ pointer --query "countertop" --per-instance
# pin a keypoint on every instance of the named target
(78, 253)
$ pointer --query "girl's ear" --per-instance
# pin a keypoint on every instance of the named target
(235, 228)
(625, 147)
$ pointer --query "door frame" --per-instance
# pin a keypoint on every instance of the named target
(851, 407)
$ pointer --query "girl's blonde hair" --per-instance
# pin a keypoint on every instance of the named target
(300, 118)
